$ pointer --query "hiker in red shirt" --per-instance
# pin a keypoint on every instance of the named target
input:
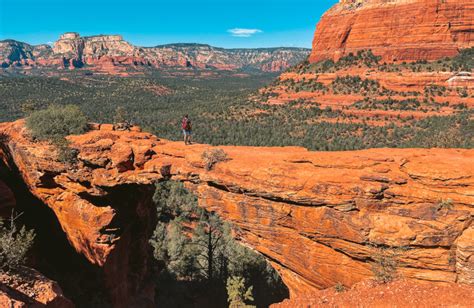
(187, 129)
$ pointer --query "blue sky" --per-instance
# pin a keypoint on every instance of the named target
(224, 23)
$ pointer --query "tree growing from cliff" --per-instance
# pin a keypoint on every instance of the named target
(196, 247)
(14, 243)
(386, 262)
(237, 292)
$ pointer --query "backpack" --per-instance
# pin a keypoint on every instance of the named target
(186, 124)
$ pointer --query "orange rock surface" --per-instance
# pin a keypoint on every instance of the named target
(399, 293)
(314, 215)
(397, 30)
(28, 288)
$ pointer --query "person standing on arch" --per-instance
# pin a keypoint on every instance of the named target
(187, 127)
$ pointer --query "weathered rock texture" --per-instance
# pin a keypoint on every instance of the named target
(399, 293)
(111, 54)
(314, 215)
(397, 30)
(29, 288)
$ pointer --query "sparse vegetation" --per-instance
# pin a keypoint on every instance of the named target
(355, 84)
(388, 104)
(54, 124)
(310, 85)
(445, 205)
(223, 114)
(364, 58)
(15, 243)
(121, 115)
(237, 293)
(385, 262)
(339, 287)
(435, 90)
(212, 157)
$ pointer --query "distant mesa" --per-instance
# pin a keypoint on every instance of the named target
(111, 54)
(69, 36)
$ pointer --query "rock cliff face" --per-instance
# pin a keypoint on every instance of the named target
(393, 45)
(17, 53)
(205, 56)
(397, 30)
(104, 52)
(317, 217)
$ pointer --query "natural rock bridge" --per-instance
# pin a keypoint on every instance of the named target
(314, 215)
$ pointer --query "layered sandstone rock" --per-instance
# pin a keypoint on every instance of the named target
(316, 216)
(397, 30)
(85, 49)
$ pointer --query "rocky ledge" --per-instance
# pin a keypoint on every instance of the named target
(318, 217)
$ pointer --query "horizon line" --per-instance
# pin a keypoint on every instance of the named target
(154, 46)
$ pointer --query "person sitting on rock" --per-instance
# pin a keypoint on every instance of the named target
(187, 129)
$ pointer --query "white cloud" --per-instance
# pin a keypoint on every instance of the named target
(240, 32)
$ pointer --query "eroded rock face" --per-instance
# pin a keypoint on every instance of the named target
(397, 30)
(110, 226)
(314, 215)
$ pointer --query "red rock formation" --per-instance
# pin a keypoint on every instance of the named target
(30, 289)
(111, 54)
(394, 294)
(403, 84)
(311, 214)
(398, 30)
(110, 226)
